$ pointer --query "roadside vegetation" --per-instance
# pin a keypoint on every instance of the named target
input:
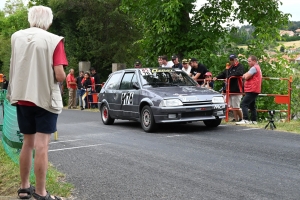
(10, 178)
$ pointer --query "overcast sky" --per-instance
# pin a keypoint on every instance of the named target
(288, 6)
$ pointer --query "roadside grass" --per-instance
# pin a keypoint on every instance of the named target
(293, 126)
(10, 178)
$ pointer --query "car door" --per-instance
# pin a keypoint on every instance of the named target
(110, 94)
(130, 96)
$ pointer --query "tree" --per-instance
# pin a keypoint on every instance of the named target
(173, 26)
(96, 31)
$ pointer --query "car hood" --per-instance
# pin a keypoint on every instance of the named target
(188, 93)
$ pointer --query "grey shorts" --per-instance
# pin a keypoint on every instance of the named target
(235, 100)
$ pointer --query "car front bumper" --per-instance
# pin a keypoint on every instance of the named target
(188, 113)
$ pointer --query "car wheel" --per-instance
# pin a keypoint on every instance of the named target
(147, 119)
(212, 123)
(106, 119)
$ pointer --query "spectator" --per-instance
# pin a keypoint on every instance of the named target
(159, 60)
(36, 68)
(137, 64)
(177, 64)
(165, 62)
(198, 71)
(72, 87)
(235, 85)
(186, 67)
(208, 82)
(80, 90)
(87, 86)
(252, 87)
(5, 83)
(96, 77)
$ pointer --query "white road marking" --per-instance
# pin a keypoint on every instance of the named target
(247, 129)
(78, 147)
(64, 141)
(174, 136)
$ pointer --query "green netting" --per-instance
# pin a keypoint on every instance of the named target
(12, 139)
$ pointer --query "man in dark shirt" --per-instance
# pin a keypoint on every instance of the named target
(96, 78)
(235, 85)
(80, 90)
(177, 64)
(137, 64)
(198, 70)
(5, 83)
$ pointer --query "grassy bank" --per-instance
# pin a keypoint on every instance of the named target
(293, 126)
(10, 180)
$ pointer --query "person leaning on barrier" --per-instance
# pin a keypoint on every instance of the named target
(235, 85)
(198, 70)
(252, 87)
(37, 66)
(208, 82)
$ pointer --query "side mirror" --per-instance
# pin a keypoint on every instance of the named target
(135, 85)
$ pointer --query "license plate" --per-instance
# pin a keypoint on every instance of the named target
(220, 112)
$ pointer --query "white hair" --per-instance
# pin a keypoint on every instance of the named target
(40, 17)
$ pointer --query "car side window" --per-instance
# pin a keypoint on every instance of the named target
(126, 83)
(113, 82)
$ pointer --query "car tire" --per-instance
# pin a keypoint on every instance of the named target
(212, 122)
(147, 120)
(106, 119)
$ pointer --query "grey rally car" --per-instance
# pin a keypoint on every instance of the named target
(158, 95)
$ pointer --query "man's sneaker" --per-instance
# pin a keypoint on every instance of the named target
(243, 122)
(254, 122)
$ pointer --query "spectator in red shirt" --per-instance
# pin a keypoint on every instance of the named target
(72, 87)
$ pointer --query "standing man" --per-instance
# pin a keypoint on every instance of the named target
(252, 88)
(37, 57)
(186, 67)
(96, 79)
(198, 71)
(80, 90)
(5, 83)
(72, 87)
(235, 85)
(177, 64)
(137, 64)
(165, 62)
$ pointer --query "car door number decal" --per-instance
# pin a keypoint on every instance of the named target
(127, 98)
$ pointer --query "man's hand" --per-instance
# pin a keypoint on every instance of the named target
(214, 78)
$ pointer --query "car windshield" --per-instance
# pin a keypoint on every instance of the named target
(165, 77)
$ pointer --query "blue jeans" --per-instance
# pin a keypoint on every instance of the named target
(79, 95)
(248, 102)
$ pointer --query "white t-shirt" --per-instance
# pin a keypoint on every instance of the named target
(169, 64)
(188, 70)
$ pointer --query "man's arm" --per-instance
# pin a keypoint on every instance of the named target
(196, 76)
(60, 74)
(250, 73)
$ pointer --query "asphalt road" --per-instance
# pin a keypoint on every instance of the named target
(189, 161)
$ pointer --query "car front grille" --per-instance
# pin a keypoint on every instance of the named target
(196, 103)
(196, 114)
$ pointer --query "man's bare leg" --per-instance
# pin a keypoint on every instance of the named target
(240, 114)
(41, 162)
(25, 161)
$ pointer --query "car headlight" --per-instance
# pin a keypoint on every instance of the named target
(170, 103)
(218, 100)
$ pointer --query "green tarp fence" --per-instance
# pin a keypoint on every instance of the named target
(12, 139)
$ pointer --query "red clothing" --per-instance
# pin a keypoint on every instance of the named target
(59, 58)
(71, 78)
(254, 83)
